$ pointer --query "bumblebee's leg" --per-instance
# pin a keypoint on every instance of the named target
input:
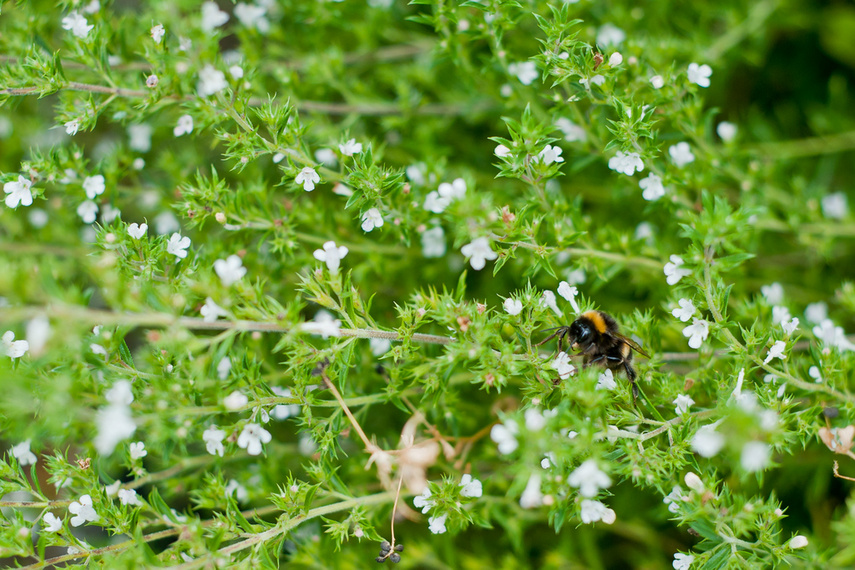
(550, 337)
(597, 359)
(630, 373)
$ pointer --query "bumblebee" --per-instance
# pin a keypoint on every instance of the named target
(595, 334)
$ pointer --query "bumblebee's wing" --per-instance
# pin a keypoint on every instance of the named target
(632, 344)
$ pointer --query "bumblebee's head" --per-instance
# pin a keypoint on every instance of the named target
(581, 332)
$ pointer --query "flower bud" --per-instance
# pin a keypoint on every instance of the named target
(694, 482)
(798, 541)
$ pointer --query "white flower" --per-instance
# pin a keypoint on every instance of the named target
(83, 510)
(87, 211)
(563, 366)
(326, 156)
(531, 496)
(308, 177)
(252, 16)
(596, 80)
(505, 436)
(606, 381)
(780, 314)
(685, 311)
(502, 151)
(53, 523)
(78, 26)
(513, 306)
(438, 200)
(550, 154)
(324, 325)
(238, 490)
(371, 219)
(94, 186)
(212, 16)
(433, 242)
(92, 7)
(790, 326)
(700, 74)
(38, 332)
(525, 71)
(835, 206)
(816, 312)
(755, 456)
(589, 479)
(224, 367)
(236, 71)
(71, 127)
(251, 438)
(652, 187)
(478, 251)
(379, 346)
(114, 423)
(38, 218)
(813, 372)
(129, 497)
(137, 231)
(534, 420)
(178, 245)
(120, 394)
(211, 81)
(109, 214)
(777, 351)
(593, 511)
(230, 270)
(235, 401)
(548, 300)
(707, 442)
(157, 33)
(681, 154)
(213, 437)
(682, 561)
(626, 163)
(610, 35)
(22, 453)
(332, 255)
(673, 270)
(697, 332)
(572, 131)
(471, 487)
(437, 524)
(726, 131)
(682, 404)
(139, 137)
(569, 293)
(137, 450)
(184, 126)
(13, 348)
(832, 335)
(657, 82)
(797, 542)
(423, 501)
(18, 192)
(284, 411)
(615, 59)
(455, 189)
(211, 311)
(350, 148)
(673, 499)
(774, 293)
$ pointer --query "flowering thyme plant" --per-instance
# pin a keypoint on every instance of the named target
(275, 277)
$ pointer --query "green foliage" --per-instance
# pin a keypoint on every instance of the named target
(308, 254)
